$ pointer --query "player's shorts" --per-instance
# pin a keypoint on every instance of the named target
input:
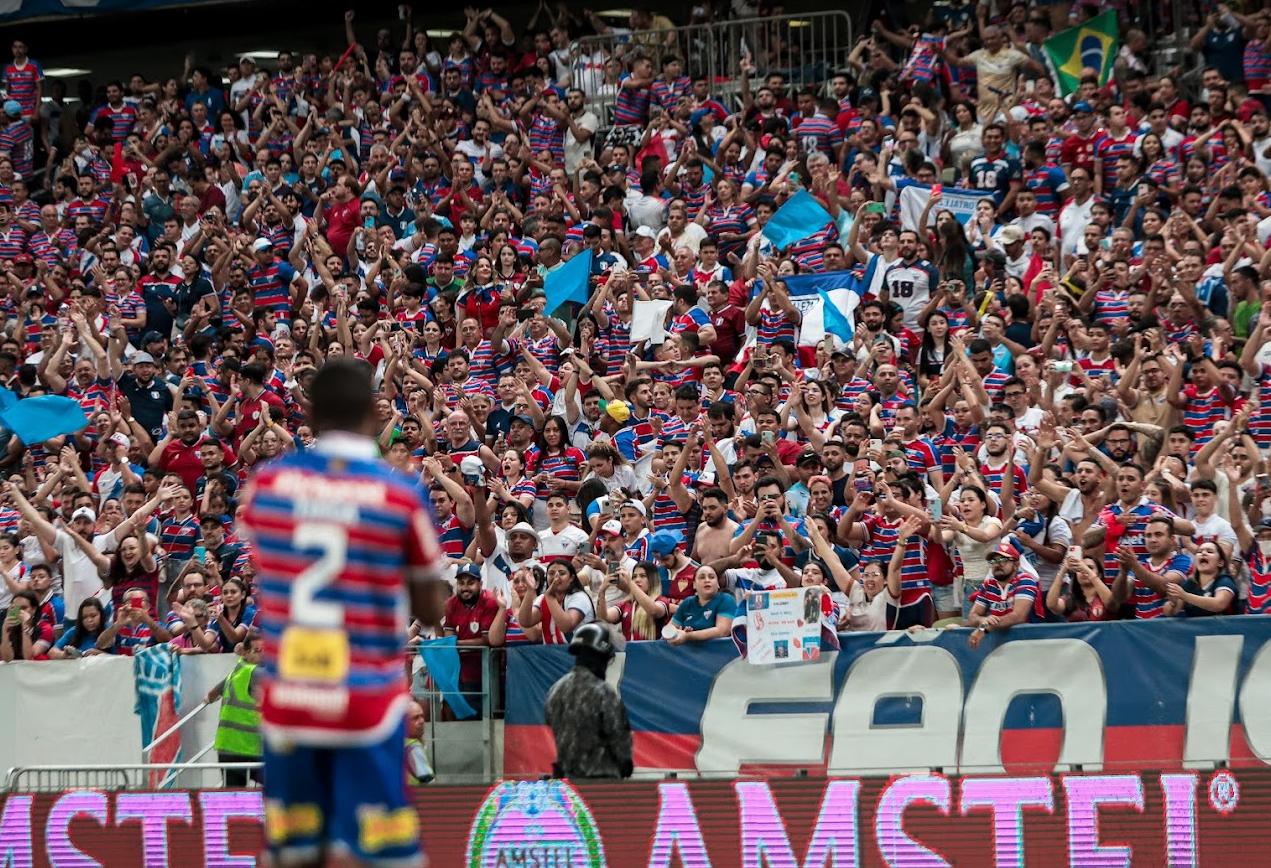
(341, 800)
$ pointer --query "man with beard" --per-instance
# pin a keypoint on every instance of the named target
(149, 397)
(873, 321)
(998, 461)
(475, 617)
(1142, 388)
(1081, 505)
(716, 530)
(1124, 522)
(501, 561)
(834, 455)
(178, 451)
(1150, 573)
(910, 281)
(1006, 598)
(920, 453)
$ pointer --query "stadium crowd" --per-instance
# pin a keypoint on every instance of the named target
(1056, 407)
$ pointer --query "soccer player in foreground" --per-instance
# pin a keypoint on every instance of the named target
(337, 534)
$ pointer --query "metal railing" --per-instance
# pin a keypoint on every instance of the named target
(105, 776)
(806, 49)
(456, 747)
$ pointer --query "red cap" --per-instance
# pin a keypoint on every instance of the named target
(1006, 550)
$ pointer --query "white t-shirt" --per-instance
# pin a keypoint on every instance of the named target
(497, 570)
(79, 574)
(576, 151)
(1216, 528)
(869, 615)
(554, 546)
(975, 567)
(692, 236)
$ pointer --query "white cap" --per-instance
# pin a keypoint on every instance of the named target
(84, 512)
(523, 527)
(262, 244)
(646, 232)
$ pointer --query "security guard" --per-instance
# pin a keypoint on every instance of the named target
(587, 717)
(238, 732)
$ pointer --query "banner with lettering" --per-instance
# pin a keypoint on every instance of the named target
(914, 197)
(1116, 696)
(783, 626)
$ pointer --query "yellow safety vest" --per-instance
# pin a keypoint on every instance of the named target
(239, 729)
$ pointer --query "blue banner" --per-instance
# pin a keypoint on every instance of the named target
(1050, 697)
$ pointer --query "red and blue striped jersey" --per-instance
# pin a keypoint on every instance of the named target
(179, 536)
(49, 248)
(1256, 64)
(122, 119)
(818, 134)
(952, 436)
(1259, 602)
(271, 287)
(809, 252)
(18, 139)
(850, 392)
(632, 104)
(1163, 172)
(1202, 412)
(569, 465)
(547, 134)
(1134, 522)
(920, 454)
(915, 582)
(669, 93)
(1149, 603)
(1260, 417)
(487, 365)
(1001, 600)
(1111, 305)
(12, 242)
(881, 539)
(735, 219)
(336, 533)
(1046, 181)
(774, 325)
(20, 83)
(95, 209)
(995, 384)
(995, 476)
(1109, 150)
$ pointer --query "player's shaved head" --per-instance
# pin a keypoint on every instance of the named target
(342, 397)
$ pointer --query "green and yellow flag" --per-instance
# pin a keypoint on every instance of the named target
(1093, 45)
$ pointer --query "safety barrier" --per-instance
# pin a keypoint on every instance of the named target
(805, 49)
(106, 776)
(465, 750)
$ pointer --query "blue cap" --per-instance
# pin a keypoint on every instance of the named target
(12, 107)
(468, 570)
(664, 542)
(1082, 106)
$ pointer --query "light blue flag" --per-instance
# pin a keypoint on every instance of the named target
(799, 217)
(828, 301)
(568, 283)
(441, 656)
(835, 323)
(35, 420)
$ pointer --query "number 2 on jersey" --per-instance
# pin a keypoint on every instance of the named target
(333, 541)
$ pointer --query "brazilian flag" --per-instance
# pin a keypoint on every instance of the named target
(1092, 44)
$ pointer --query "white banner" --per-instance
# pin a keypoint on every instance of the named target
(783, 626)
(914, 198)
